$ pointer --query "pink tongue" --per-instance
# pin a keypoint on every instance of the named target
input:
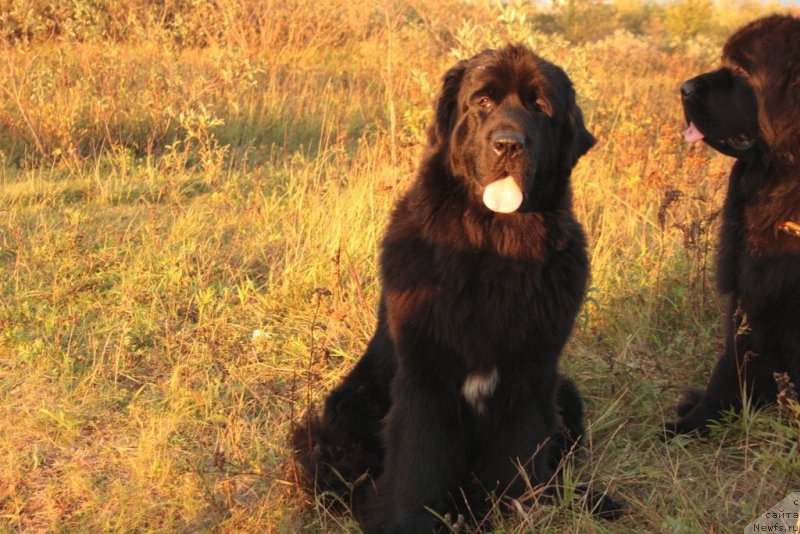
(503, 196)
(692, 134)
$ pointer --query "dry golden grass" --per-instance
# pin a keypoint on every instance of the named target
(191, 198)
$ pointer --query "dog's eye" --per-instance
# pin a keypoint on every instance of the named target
(738, 69)
(544, 106)
(537, 102)
(485, 102)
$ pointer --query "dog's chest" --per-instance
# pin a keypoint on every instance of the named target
(488, 307)
(483, 286)
(470, 310)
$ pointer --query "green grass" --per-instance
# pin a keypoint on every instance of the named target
(160, 203)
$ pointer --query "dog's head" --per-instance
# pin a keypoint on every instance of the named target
(752, 102)
(509, 126)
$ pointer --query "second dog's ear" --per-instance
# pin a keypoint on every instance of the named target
(581, 139)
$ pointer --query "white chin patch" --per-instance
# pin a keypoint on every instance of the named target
(503, 195)
(479, 387)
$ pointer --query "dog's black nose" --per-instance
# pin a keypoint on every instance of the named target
(688, 88)
(507, 143)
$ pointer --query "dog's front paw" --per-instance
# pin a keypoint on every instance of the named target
(688, 401)
(693, 416)
(600, 504)
(681, 427)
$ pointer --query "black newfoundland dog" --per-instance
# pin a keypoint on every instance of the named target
(750, 109)
(484, 268)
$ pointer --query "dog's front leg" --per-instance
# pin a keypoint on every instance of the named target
(425, 445)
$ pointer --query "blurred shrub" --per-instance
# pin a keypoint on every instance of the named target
(183, 23)
(585, 20)
(688, 18)
(84, 77)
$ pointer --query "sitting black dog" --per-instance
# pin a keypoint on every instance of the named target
(750, 109)
(484, 269)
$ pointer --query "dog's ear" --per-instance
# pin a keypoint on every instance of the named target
(579, 139)
(778, 93)
(445, 108)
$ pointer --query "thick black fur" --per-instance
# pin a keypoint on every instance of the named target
(467, 291)
(750, 109)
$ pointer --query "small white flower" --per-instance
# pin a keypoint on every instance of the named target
(260, 334)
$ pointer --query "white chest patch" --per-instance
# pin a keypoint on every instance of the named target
(479, 387)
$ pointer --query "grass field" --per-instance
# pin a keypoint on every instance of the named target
(191, 199)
